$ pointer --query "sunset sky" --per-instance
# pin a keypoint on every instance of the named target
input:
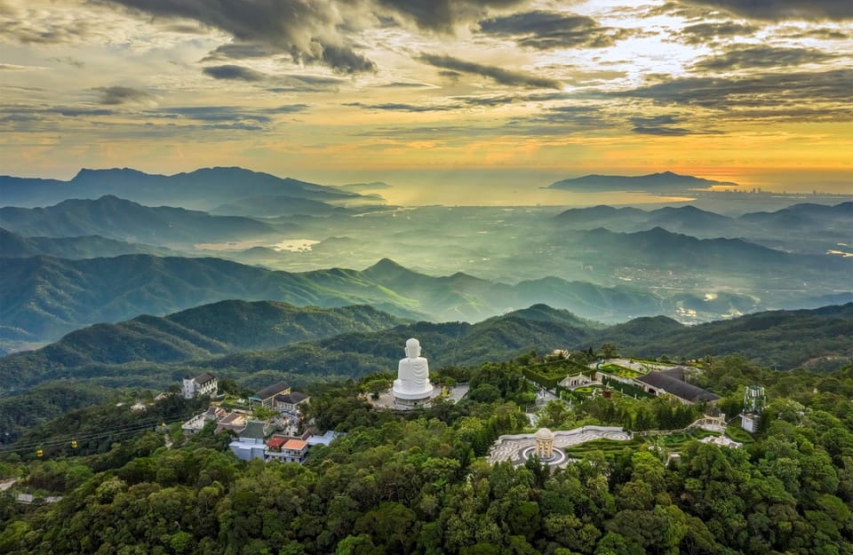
(416, 93)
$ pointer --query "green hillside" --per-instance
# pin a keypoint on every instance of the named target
(203, 332)
(13, 245)
(44, 298)
(123, 220)
(154, 352)
(782, 339)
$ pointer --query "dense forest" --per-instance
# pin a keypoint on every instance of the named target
(418, 482)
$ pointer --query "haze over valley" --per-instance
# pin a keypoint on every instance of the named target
(463, 277)
(305, 243)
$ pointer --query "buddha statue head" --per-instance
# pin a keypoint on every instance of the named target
(413, 348)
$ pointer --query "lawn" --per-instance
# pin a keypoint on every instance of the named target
(735, 432)
(587, 389)
(604, 445)
(620, 371)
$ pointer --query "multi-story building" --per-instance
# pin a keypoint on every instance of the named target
(203, 384)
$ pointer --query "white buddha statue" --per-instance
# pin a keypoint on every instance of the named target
(412, 381)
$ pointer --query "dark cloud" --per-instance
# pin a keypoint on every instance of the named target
(79, 112)
(227, 114)
(655, 121)
(702, 33)
(776, 10)
(677, 9)
(823, 33)
(318, 80)
(113, 96)
(662, 126)
(662, 131)
(488, 101)
(404, 85)
(288, 109)
(453, 103)
(450, 75)
(774, 95)
(307, 30)
(234, 73)
(499, 75)
(23, 32)
(214, 115)
(242, 51)
(762, 57)
(577, 116)
(342, 59)
(444, 15)
(400, 107)
(546, 30)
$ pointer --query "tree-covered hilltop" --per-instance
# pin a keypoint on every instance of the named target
(133, 353)
(203, 332)
(418, 483)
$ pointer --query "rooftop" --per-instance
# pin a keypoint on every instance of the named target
(255, 429)
(674, 386)
(276, 442)
(295, 444)
(202, 379)
(269, 391)
(291, 398)
(677, 373)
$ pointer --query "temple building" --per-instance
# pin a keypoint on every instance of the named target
(544, 444)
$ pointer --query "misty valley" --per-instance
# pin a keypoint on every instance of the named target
(304, 243)
(204, 335)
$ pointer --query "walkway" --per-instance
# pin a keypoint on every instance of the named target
(510, 447)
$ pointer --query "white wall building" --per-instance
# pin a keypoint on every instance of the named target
(203, 384)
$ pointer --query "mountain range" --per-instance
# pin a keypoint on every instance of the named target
(228, 339)
(201, 189)
(814, 227)
(123, 220)
(44, 297)
(13, 245)
(201, 332)
(659, 182)
(276, 206)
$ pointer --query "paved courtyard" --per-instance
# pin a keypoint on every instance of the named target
(511, 448)
(386, 399)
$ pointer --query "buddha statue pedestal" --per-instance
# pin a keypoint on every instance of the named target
(412, 387)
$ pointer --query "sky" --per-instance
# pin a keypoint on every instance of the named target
(478, 96)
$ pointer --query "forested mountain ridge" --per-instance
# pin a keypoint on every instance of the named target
(803, 228)
(659, 248)
(13, 245)
(820, 338)
(124, 220)
(420, 483)
(43, 297)
(142, 346)
(783, 339)
(206, 331)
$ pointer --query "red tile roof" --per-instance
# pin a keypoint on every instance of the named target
(276, 442)
(295, 444)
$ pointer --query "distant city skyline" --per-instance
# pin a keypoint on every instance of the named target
(466, 100)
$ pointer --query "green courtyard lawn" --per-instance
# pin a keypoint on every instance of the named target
(620, 371)
(606, 446)
(735, 432)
